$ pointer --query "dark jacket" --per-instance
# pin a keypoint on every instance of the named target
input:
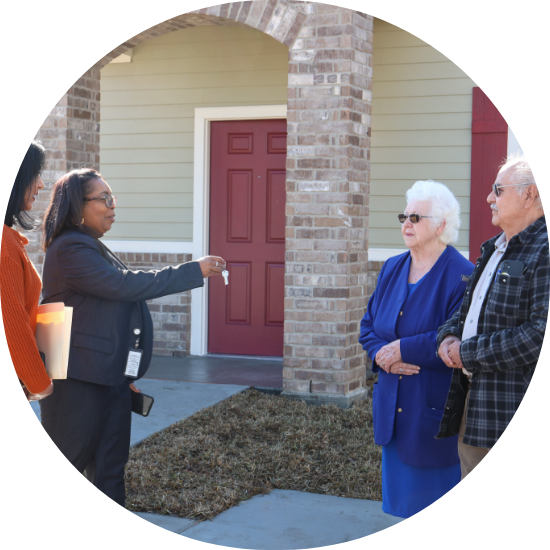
(109, 302)
(411, 407)
(503, 355)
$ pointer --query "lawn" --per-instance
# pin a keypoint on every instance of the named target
(248, 445)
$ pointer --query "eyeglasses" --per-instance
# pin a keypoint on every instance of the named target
(415, 218)
(497, 188)
(110, 200)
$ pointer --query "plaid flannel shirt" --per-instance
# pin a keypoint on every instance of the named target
(503, 355)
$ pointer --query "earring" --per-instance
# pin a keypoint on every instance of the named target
(82, 222)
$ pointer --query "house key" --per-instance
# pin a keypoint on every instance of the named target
(225, 275)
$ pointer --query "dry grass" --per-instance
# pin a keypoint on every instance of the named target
(250, 444)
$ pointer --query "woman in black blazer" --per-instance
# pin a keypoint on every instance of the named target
(88, 416)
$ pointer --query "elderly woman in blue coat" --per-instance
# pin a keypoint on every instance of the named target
(416, 293)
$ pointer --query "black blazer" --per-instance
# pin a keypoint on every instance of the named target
(109, 302)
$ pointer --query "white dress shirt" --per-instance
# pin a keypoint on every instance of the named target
(472, 319)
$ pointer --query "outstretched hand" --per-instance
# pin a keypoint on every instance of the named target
(211, 265)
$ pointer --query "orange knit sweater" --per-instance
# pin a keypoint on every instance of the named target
(20, 287)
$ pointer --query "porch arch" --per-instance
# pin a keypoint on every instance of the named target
(277, 18)
(327, 182)
(71, 131)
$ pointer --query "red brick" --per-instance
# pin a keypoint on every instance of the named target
(294, 362)
(297, 386)
(325, 340)
(330, 292)
(334, 30)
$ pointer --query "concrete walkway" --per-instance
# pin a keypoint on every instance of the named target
(173, 402)
(281, 520)
(285, 520)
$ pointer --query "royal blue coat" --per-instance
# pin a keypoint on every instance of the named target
(412, 406)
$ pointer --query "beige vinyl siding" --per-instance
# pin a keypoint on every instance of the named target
(147, 118)
(421, 129)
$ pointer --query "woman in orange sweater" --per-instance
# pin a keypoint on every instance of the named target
(20, 283)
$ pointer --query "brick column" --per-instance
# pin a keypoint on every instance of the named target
(329, 107)
(70, 135)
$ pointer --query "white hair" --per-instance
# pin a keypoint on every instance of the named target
(520, 174)
(443, 206)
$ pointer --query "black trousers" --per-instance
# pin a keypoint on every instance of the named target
(90, 424)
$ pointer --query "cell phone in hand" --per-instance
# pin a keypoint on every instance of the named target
(141, 403)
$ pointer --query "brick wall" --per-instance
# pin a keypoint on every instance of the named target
(70, 135)
(171, 314)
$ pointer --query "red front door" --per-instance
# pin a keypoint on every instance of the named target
(247, 228)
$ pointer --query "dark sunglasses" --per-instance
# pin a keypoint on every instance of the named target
(415, 218)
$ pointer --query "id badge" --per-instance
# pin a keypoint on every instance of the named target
(132, 365)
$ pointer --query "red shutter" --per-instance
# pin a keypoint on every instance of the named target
(489, 150)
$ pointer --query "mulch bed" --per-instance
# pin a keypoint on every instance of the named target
(248, 445)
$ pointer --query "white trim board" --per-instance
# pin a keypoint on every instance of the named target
(383, 254)
(201, 202)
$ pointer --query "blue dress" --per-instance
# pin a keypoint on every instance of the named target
(417, 469)
(406, 490)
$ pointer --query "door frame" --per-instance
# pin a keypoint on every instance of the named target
(201, 202)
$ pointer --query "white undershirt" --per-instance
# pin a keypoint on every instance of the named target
(472, 319)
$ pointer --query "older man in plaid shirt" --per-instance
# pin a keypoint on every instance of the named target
(494, 339)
